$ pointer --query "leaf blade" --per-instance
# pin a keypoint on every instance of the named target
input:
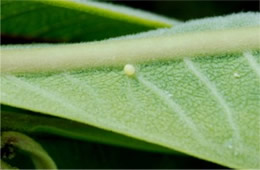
(188, 105)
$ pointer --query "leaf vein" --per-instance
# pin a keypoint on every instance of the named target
(252, 63)
(214, 91)
(44, 93)
(175, 107)
(87, 88)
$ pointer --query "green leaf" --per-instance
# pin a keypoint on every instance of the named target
(195, 87)
(73, 20)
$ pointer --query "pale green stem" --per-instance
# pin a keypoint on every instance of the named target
(39, 156)
(122, 51)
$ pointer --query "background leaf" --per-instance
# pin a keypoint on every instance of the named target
(205, 106)
(73, 20)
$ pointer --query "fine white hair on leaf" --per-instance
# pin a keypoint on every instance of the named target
(129, 70)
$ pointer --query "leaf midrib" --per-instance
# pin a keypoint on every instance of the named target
(122, 51)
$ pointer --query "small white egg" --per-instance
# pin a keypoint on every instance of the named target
(236, 75)
(129, 70)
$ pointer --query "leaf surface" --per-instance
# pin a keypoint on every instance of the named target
(196, 87)
(73, 20)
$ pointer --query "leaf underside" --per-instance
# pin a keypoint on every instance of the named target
(209, 113)
(205, 106)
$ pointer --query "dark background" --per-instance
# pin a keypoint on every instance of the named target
(185, 10)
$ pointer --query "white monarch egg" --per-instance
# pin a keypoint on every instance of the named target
(129, 70)
(236, 75)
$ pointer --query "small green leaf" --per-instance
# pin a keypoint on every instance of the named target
(195, 87)
(73, 20)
